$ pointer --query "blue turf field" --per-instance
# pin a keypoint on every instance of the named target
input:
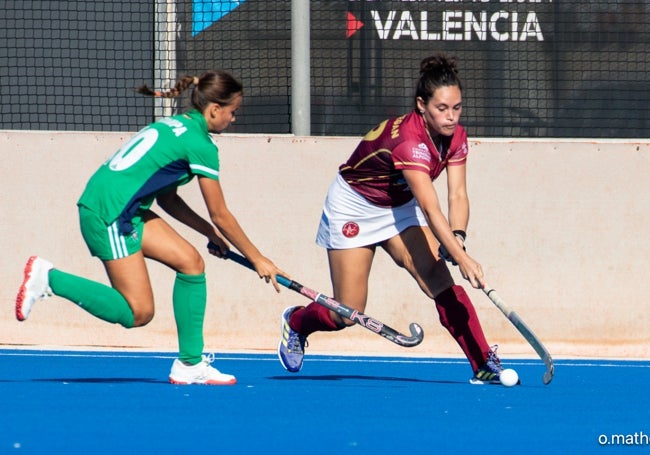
(121, 402)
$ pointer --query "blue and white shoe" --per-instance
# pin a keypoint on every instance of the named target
(291, 349)
(490, 371)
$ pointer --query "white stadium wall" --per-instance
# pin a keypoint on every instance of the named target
(558, 225)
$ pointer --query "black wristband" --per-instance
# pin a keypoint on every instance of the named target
(460, 233)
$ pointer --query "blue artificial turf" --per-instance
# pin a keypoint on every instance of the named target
(121, 402)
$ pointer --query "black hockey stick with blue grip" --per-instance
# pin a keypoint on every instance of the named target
(372, 324)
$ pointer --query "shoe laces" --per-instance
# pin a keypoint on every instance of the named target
(493, 363)
(209, 358)
(296, 342)
(205, 366)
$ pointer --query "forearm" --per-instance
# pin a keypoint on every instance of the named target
(443, 232)
(427, 199)
(229, 227)
(177, 208)
(458, 213)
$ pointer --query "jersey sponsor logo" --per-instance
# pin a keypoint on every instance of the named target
(421, 152)
(350, 229)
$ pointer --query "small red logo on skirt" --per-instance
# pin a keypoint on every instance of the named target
(350, 229)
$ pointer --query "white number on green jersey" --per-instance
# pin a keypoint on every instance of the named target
(132, 151)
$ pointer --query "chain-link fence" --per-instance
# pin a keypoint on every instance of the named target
(530, 68)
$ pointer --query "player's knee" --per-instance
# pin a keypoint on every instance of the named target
(142, 317)
(435, 280)
(194, 264)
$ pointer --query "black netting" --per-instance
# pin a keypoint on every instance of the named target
(530, 68)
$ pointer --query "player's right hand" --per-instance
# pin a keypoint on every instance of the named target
(472, 272)
(218, 247)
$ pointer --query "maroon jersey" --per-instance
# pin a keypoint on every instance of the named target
(375, 168)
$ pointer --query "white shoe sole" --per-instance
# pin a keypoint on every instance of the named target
(231, 381)
(205, 375)
(31, 290)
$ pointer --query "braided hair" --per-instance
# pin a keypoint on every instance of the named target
(215, 86)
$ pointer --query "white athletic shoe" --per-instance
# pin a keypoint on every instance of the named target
(201, 373)
(36, 286)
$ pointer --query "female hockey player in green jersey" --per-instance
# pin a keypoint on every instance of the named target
(120, 228)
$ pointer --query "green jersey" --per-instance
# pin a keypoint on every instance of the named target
(162, 156)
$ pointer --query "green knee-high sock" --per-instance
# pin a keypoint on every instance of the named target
(189, 300)
(96, 298)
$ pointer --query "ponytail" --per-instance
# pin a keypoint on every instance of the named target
(211, 87)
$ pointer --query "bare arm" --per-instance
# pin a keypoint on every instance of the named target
(427, 198)
(175, 206)
(229, 227)
(224, 221)
(457, 197)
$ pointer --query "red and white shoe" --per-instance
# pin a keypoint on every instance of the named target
(201, 373)
(36, 286)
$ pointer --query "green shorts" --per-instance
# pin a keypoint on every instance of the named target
(105, 241)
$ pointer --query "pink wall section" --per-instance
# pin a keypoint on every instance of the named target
(558, 225)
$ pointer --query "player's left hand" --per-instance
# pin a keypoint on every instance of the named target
(442, 251)
(268, 271)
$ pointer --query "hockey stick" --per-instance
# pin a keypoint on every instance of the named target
(528, 334)
(417, 335)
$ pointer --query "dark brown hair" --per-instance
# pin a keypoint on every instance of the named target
(215, 86)
(436, 71)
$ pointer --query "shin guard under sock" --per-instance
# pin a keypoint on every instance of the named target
(457, 314)
(189, 301)
(100, 300)
(313, 318)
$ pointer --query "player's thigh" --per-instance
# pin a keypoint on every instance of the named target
(349, 271)
(415, 249)
(162, 243)
(129, 276)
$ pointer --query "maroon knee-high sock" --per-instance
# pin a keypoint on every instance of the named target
(457, 314)
(312, 318)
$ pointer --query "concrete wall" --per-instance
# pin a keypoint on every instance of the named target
(559, 227)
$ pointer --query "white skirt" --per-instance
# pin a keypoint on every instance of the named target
(350, 221)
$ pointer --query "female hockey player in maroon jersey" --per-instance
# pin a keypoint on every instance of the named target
(383, 196)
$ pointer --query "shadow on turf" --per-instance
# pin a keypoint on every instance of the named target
(343, 377)
(103, 380)
(328, 377)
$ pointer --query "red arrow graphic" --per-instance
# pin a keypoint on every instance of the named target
(354, 24)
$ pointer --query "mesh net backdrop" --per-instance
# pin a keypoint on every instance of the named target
(530, 69)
